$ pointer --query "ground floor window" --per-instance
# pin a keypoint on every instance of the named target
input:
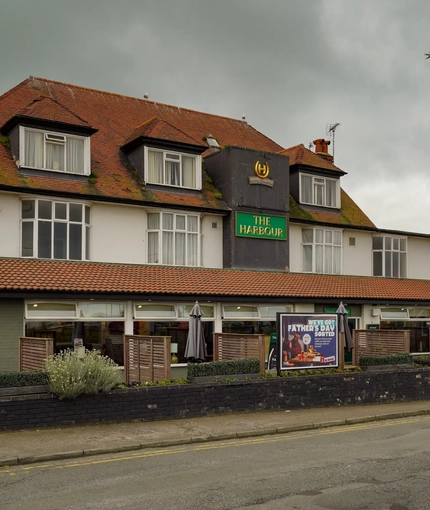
(102, 324)
(419, 333)
(252, 319)
(249, 327)
(105, 336)
(178, 331)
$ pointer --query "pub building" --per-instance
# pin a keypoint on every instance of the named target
(120, 213)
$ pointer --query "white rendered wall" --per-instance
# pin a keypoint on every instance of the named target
(211, 241)
(370, 315)
(304, 308)
(295, 240)
(418, 257)
(356, 260)
(9, 225)
(117, 234)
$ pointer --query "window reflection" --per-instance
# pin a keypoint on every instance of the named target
(107, 337)
(178, 331)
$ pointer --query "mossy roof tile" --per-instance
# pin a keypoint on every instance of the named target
(116, 117)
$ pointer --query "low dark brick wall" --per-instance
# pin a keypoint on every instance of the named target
(190, 400)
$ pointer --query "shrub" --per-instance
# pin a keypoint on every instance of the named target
(231, 367)
(70, 376)
(387, 359)
(19, 379)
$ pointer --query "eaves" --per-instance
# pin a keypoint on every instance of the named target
(334, 225)
(113, 200)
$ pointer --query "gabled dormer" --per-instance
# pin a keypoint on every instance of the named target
(163, 155)
(46, 136)
(314, 179)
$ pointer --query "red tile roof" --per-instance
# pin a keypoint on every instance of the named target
(300, 155)
(162, 130)
(44, 276)
(348, 215)
(116, 117)
(46, 108)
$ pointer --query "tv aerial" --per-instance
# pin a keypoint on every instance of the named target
(331, 130)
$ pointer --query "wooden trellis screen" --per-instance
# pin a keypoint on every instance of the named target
(146, 358)
(379, 342)
(228, 346)
(33, 352)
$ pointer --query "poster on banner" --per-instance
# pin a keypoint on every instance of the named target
(307, 340)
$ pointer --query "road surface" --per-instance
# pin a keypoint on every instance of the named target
(377, 465)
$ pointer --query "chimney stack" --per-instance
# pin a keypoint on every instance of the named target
(321, 149)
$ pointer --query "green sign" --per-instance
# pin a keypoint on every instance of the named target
(372, 326)
(261, 226)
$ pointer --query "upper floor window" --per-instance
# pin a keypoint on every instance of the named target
(55, 230)
(322, 251)
(319, 191)
(389, 256)
(172, 168)
(173, 239)
(56, 152)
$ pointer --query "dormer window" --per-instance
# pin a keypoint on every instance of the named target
(56, 152)
(321, 191)
(172, 168)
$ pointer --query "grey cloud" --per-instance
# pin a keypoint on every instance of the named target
(292, 66)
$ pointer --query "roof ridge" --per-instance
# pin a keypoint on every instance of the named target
(298, 146)
(116, 94)
(12, 90)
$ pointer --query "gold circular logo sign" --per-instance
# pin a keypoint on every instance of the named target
(261, 171)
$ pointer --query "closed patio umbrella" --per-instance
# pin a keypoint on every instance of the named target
(344, 327)
(195, 350)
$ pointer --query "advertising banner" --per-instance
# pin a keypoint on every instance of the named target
(307, 340)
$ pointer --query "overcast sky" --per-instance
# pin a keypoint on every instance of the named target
(293, 67)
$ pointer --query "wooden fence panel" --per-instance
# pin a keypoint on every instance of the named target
(228, 346)
(146, 358)
(379, 342)
(33, 353)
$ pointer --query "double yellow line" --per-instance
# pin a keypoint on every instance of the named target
(214, 445)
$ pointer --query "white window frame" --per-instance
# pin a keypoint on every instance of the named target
(179, 155)
(45, 309)
(154, 311)
(252, 312)
(315, 183)
(325, 266)
(156, 314)
(55, 220)
(32, 309)
(160, 260)
(388, 256)
(55, 138)
(394, 313)
(100, 316)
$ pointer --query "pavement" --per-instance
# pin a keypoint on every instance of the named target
(30, 446)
